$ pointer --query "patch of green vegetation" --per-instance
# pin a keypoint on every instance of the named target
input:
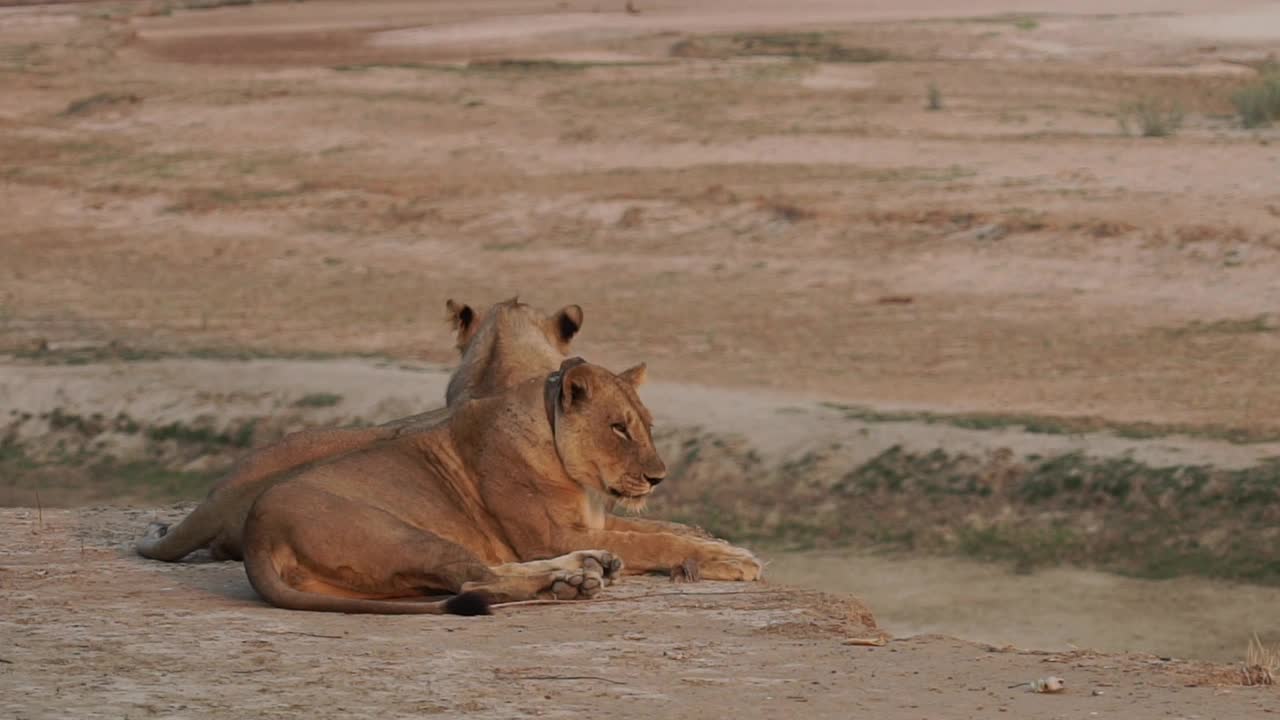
(1114, 513)
(1021, 21)
(814, 46)
(507, 246)
(364, 67)
(1027, 548)
(1264, 323)
(1044, 425)
(152, 480)
(86, 105)
(19, 57)
(198, 200)
(318, 400)
(933, 97)
(1150, 118)
(1258, 103)
(498, 65)
(121, 353)
(72, 476)
(240, 437)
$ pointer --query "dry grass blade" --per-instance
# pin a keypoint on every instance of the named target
(1261, 663)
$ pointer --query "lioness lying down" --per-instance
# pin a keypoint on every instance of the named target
(501, 346)
(508, 500)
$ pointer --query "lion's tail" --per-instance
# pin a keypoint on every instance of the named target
(171, 544)
(269, 583)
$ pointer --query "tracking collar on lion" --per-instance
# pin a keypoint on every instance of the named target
(555, 388)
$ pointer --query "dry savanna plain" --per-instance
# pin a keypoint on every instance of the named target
(965, 315)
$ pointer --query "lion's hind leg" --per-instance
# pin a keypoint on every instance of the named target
(577, 575)
(307, 549)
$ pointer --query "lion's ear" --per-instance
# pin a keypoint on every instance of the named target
(575, 388)
(568, 322)
(463, 320)
(635, 375)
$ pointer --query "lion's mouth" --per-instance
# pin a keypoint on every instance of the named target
(626, 495)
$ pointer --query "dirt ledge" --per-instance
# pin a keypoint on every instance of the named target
(90, 630)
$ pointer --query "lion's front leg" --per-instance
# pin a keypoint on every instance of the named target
(632, 524)
(646, 552)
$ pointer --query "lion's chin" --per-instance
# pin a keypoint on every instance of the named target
(633, 502)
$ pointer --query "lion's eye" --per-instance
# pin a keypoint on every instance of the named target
(621, 431)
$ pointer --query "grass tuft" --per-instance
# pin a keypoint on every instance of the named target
(1258, 103)
(934, 96)
(87, 105)
(1150, 118)
(318, 400)
(1261, 663)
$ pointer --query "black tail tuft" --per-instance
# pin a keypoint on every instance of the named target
(468, 603)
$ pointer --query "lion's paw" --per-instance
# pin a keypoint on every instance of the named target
(730, 563)
(600, 562)
(574, 585)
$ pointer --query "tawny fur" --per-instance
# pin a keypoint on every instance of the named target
(500, 346)
(493, 501)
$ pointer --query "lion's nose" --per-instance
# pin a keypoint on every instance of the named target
(655, 479)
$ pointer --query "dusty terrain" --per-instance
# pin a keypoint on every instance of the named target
(315, 178)
(148, 432)
(91, 631)
(1004, 328)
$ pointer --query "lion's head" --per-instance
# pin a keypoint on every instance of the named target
(604, 434)
(506, 344)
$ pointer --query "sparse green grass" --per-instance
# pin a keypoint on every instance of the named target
(89, 104)
(1116, 513)
(1027, 548)
(153, 481)
(19, 58)
(1043, 425)
(1258, 103)
(1150, 118)
(933, 97)
(79, 476)
(122, 353)
(500, 65)
(204, 200)
(240, 437)
(318, 400)
(1264, 323)
(815, 46)
(1021, 21)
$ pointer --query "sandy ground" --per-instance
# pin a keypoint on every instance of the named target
(767, 231)
(91, 631)
(1053, 609)
(320, 176)
(1058, 609)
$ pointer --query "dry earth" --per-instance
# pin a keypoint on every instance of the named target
(743, 203)
(316, 177)
(91, 631)
(1051, 609)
